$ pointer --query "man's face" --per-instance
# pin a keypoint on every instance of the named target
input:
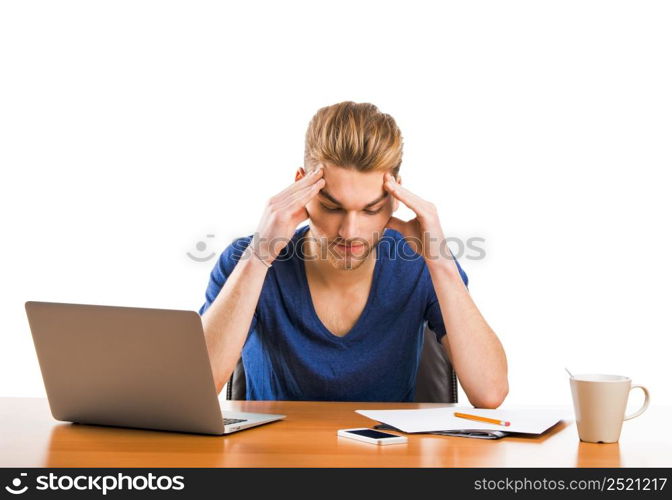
(351, 209)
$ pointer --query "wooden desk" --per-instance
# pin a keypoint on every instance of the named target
(30, 437)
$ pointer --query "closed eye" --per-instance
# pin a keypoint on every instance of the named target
(368, 212)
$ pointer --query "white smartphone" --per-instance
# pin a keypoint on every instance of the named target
(372, 436)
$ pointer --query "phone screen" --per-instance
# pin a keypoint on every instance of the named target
(370, 433)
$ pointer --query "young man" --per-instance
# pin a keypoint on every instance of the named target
(335, 310)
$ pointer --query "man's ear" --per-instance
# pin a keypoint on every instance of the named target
(300, 174)
(395, 205)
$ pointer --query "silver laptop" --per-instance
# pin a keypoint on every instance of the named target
(130, 367)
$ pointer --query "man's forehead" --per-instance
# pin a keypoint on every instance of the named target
(326, 194)
(346, 185)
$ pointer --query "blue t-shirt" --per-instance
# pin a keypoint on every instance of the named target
(290, 355)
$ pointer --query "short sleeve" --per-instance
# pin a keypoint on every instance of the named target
(222, 270)
(433, 314)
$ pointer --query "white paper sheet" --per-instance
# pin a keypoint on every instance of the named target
(525, 420)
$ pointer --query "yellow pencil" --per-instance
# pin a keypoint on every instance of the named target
(482, 419)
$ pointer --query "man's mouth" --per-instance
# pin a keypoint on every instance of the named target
(350, 247)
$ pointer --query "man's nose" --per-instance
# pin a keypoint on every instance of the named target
(349, 229)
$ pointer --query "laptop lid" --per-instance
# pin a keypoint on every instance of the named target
(125, 366)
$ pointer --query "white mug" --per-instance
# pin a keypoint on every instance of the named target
(599, 405)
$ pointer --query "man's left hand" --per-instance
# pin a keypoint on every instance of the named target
(423, 233)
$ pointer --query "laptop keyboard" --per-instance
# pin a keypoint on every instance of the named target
(228, 421)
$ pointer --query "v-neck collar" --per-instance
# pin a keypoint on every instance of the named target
(357, 327)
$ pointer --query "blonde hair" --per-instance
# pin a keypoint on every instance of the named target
(353, 135)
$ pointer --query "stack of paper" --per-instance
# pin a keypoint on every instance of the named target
(443, 420)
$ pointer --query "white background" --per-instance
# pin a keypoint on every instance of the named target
(129, 131)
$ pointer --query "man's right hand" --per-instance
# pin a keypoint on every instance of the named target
(283, 213)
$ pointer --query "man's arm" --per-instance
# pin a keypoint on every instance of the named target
(227, 320)
(473, 348)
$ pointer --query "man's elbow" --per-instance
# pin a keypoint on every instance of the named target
(493, 398)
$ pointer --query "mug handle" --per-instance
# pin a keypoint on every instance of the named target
(644, 406)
